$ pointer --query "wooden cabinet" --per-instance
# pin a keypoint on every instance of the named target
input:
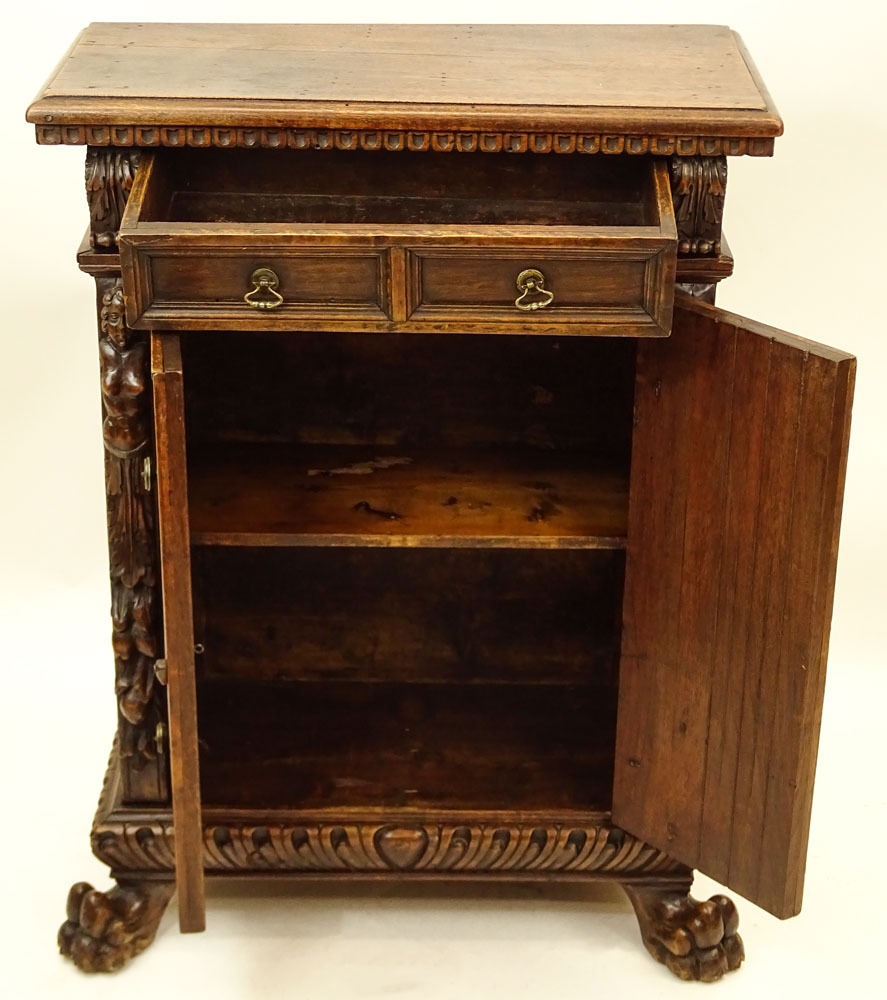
(461, 536)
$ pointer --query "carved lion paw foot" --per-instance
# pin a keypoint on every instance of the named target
(104, 930)
(696, 940)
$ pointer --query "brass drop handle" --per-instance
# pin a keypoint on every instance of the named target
(264, 294)
(533, 293)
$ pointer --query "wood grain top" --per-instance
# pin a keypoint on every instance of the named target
(629, 79)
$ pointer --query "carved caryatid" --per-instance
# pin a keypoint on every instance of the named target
(698, 186)
(126, 395)
(109, 177)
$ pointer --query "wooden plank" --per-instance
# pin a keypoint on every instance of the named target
(342, 495)
(178, 624)
(734, 668)
(621, 65)
(721, 690)
(766, 525)
(686, 79)
(823, 433)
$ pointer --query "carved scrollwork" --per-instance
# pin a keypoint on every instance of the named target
(109, 178)
(126, 397)
(373, 847)
(698, 186)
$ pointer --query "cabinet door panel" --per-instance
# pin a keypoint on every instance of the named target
(178, 625)
(737, 477)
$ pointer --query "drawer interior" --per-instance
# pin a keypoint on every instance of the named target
(395, 188)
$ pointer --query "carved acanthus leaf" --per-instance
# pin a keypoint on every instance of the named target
(109, 178)
(698, 186)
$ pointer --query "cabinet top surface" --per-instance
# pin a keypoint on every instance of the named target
(629, 79)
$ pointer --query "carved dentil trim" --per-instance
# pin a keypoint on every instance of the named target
(126, 430)
(399, 139)
(109, 178)
(373, 847)
(698, 186)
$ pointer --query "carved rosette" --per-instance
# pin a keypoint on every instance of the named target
(126, 430)
(109, 178)
(698, 186)
(128, 846)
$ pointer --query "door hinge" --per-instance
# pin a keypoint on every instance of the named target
(160, 671)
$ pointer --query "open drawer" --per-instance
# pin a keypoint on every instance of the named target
(379, 241)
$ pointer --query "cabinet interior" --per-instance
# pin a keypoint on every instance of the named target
(392, 188)
(408, 562)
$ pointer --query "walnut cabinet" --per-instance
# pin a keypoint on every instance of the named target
(454, 532)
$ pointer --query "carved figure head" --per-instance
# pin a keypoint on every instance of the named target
(113, 318)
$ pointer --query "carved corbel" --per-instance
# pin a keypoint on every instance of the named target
(109, 178)
(698, 186)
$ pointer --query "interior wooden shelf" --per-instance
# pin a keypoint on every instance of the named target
(277, 495)
(423, 746)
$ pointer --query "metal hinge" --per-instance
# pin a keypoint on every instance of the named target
(160, 738)
(160, 671)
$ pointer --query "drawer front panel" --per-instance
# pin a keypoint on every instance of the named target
(615, 286)
(208, 285)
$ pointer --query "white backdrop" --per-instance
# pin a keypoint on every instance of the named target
(807, 231)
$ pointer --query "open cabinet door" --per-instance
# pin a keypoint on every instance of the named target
(738, 462)
(178, 625)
